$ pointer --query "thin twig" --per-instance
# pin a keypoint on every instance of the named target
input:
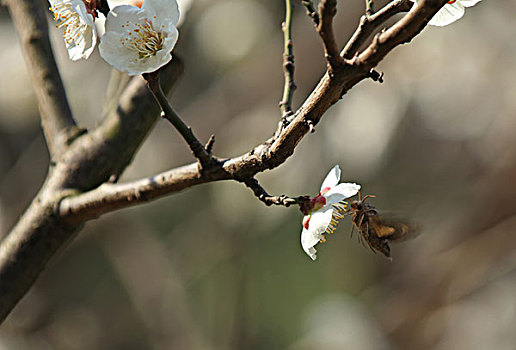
(327, 10)
(197, 148)
(369, 23)
(369, 7)
(310, 11)
(288, 63)
(266, 198)
(56, 116)
(209, 144)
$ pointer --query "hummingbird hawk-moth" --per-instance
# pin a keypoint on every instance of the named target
(378, 230)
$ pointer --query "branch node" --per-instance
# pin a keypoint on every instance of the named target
(210, 143)
(369, 7)
(310, 11)
(375, 75)
(114, 178)
(311, 126)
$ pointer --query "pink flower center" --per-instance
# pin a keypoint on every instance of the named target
(317, 202)
(92, 6)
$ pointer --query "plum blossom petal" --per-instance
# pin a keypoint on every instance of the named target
(184, 6)
(469, 3)
(317, 225)
(140, 40)
(341, 192)
(80, 35)
(332, 179)
(450, 12)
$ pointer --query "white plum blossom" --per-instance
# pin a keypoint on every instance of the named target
(325, 211)
(80, 35)
(452, 11)
(139, 40)
(184, 6)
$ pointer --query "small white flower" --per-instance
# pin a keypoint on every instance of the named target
(140, 40)
(184, 6)
(325, 210)
(80, 35)
(450, 12)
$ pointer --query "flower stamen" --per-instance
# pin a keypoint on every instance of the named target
(338, 214)
(146, 40)
(70, 19)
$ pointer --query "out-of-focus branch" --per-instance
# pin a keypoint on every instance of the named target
(369, 23)
(327, 10)
(56, 116)
(288, 63)
(87, 163)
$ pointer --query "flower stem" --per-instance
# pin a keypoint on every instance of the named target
(269, 200)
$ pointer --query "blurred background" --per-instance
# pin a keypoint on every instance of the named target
(213, 268)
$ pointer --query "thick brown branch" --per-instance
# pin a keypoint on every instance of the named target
(90, 161)
(327, 10)
(369, 23)
(110, 197)
(56, 115)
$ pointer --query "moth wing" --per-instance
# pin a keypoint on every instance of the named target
(394, 229)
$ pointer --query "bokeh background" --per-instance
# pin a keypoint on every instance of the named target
(213, 268)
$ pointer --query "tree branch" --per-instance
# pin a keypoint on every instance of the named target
(268, 155)
(369, 23)
(197, 148)
(288, 63)
(56, 116)
(327, 10)
(269, 200)
(92, 158)
(310, 11)
(87, 163)
(369, 7)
